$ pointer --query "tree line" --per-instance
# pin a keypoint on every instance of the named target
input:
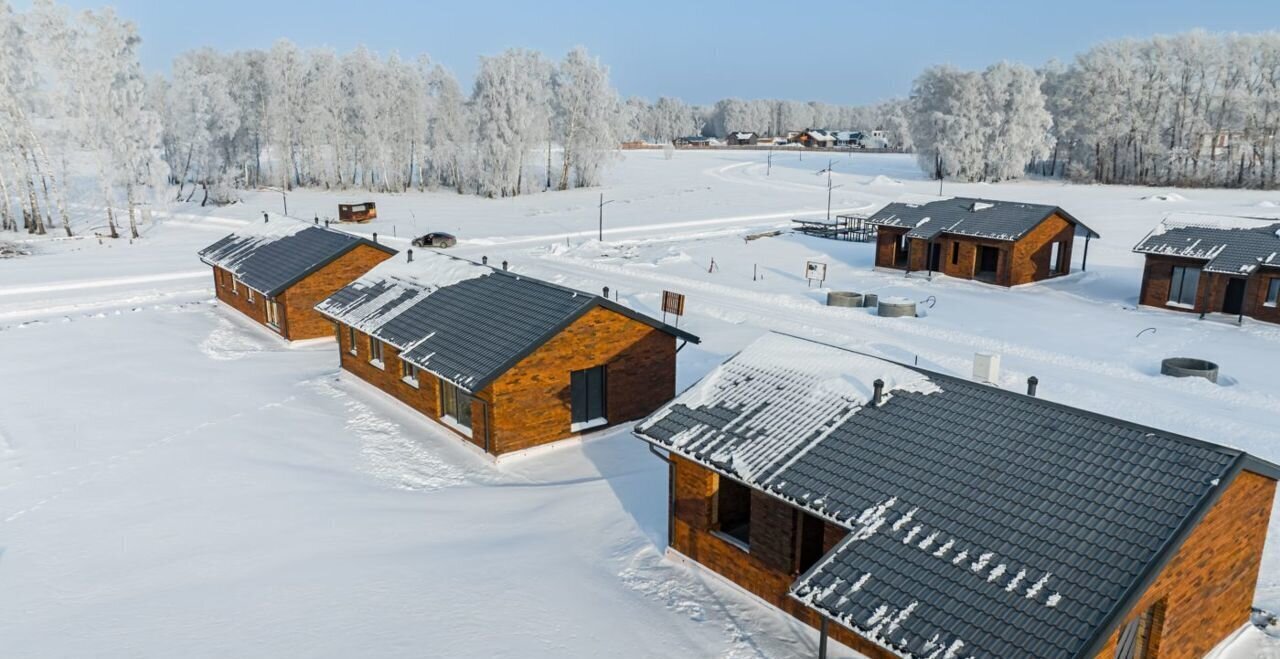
(78, 118)
(1194, 109)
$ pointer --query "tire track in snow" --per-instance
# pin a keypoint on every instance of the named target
(84, 284)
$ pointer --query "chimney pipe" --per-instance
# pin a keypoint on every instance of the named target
(484, 260)
(606, 292)
(265, 219)
(879, 392)
(504, 265)
(317, 220)
(326, 223)
(1031, 385)
(410, 256)
(375, 236)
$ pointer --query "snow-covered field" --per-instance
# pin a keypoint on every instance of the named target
(175, 481)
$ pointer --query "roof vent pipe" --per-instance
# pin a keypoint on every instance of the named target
(606, 292)
(375, 236)
(410, 256)
(317, 220)
(484, 260)
(265, 219)
(879, 392)
(326, 223)
(504, 265)
(1032, 382)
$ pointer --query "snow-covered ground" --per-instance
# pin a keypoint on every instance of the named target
(173, 479)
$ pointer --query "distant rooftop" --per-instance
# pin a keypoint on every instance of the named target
(1228, 244)
(968, 216)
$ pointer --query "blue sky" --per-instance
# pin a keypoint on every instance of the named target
(838, 52)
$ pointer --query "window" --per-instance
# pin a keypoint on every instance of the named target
(351, 340)
(249, 292)
(901, 249)
(1273, 292)
(1140, 639)
(455, 405)
(587, 398)
(375, 352)
(235, 285)
(1183, 286)
(222, 277)
(408, 373)
(1055, 257)
(733, 512)
(273, 313)
(955, 253)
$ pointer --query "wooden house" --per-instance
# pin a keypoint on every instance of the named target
(814, 138)
(998, 242)
(277, 275)
(739, 138)
(506, 361)
(1213, 264)
(359, 213)
(907, 513)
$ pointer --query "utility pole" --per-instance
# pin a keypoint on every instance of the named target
(600, 231)
(769, 167)
(827, 171)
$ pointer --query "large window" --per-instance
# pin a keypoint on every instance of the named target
(733, 512)
(587, 394)
(351, 340)
(901, 250)
(408, 373)
(1055, 257)
(273, 313)
(375, 352)
(249, 293)
(235, 285)
(1273, 292)
(455, 405)
(1183, 286)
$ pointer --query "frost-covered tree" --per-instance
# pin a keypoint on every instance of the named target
(586, 117)
(512, 111)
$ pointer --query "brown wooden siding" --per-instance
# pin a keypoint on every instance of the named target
(532, 399)
(1157, 273)
(298, 318)
(299, 301)
(1021, 262)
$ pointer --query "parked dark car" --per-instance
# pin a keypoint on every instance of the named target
(436, 239)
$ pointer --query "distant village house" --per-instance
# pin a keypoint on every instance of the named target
(742, 139)
(276, 276)
(998, 242)
(1213, 264)
(506, 361)
(906, 513)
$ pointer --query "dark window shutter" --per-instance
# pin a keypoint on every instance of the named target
(578, 396)
(1127, 646)
(595, 393)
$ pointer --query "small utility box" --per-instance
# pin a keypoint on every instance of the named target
(986, 367)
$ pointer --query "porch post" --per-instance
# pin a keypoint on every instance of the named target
(1084, 262)
(822, 639)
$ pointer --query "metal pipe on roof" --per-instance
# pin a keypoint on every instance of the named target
(879, 392)
(1032, 383)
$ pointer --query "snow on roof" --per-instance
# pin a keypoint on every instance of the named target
(783, 393)
(972, 513)
(271, 256)
(1228, 244)
(981, 218)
